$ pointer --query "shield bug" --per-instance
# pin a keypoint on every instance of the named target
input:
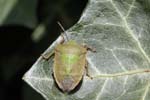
(69, 63)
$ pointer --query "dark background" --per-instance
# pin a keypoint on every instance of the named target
(19, 51)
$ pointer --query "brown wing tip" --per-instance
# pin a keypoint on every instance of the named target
(67, 84)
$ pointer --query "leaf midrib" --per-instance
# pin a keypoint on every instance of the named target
(129, 31)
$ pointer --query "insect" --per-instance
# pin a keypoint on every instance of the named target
(69, 63)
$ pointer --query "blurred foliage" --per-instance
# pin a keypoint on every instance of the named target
(27, 28)
(17, 12)
(146, 4)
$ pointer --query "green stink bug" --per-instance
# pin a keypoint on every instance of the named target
(69, 63)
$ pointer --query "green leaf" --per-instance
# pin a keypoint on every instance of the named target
(21, 12)
(119, 30)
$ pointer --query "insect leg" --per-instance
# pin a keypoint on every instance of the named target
(89, 48)
(47, 56)
(87, 71)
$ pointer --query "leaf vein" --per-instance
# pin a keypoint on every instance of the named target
(37, 78)
(103, 24)
(130, 32)
(101, 91)
(146, 91)
(141, 71)
(121, 65)
(130, 9)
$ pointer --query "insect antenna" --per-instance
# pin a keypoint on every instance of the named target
(65, 33)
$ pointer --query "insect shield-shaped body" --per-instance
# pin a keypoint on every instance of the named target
(69, 65)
